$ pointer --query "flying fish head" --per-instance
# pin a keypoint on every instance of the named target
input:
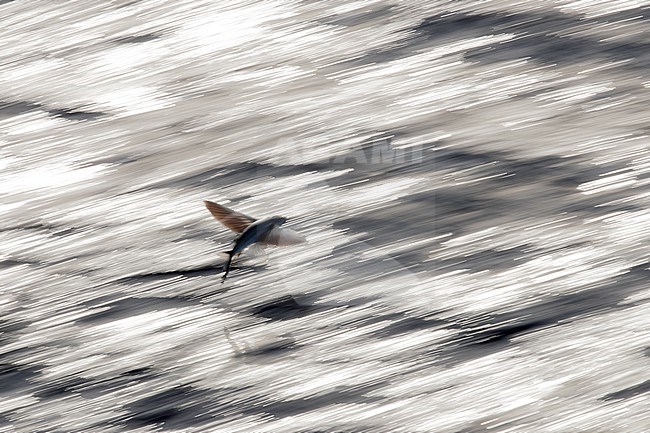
(277, 220)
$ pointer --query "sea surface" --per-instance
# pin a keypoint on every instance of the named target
(473, 179)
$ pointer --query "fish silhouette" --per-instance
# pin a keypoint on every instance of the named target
(266, 231)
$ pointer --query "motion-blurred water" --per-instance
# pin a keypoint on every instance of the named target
(472, 177)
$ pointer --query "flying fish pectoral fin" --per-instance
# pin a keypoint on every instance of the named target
(235, 221)
(256, 251)
(282, 237)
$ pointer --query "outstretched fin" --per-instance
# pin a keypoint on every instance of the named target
(235, 221)
(282, 237)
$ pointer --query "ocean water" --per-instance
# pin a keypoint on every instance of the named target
(473, 179)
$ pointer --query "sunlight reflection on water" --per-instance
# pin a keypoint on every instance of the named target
(471, 179)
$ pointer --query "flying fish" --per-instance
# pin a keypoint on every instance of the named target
(266, 231)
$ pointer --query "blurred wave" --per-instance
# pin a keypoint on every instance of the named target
(472, 178)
